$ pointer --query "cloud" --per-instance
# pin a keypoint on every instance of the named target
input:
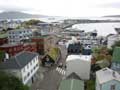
(62, 7)
(14, 8)
(110, 5)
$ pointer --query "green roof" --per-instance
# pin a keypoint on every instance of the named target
(116, 54)
(71, 84)
(53, 53)
(3, 35)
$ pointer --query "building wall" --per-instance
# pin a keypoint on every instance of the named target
(3, 41)
(98, 86)
(12, 50)
(44, 43)
(39, 44)
(107, 85)
(32, 47)
(26, 73)
(15, 36)
(29, 70)
(116, 66)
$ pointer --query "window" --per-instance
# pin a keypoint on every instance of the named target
(20, 36)
(28, 74)
(31, 71)
(37, 65)
(30, 63)
(23, 69)
(112, 87)
(34, 67)
(27, 66)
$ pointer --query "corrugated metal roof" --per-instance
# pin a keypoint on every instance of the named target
(106, 74)
(18, 61)
(116, 54)
(71, 84)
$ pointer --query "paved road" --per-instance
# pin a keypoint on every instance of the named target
(63, 54)
(52, 77)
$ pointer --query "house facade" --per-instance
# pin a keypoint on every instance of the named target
(23, 65)
(107, 79)
(13, 48)
(15, 36)
(44, 42)
(45, 28)
(116, 60)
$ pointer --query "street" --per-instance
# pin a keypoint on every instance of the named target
(51, 76)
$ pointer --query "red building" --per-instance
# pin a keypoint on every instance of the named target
(32, 47)
(3, 41)
(44, 43)
(13, 49)
(40, 44)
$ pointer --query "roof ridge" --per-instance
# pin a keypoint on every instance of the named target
(17, 61)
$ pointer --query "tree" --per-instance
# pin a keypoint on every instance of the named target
(9, 82)
(102, 53)
(90, 85)
(32, 22)
(2, 55)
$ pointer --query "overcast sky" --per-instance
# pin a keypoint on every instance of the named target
(71, 8)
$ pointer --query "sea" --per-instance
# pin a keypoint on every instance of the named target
(103, 29)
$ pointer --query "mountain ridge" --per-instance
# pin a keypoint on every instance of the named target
(18, 15)
(112, 16)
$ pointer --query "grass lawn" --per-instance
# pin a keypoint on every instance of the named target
(3, 35)
(54, 52)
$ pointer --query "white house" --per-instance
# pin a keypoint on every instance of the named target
(10, 24)
(13, 24)
(24, 65)
(45, 28)
(79, 64)
(107, 79)
(15, 36)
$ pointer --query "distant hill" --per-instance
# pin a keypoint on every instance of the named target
(117, 16)
(18, 15)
